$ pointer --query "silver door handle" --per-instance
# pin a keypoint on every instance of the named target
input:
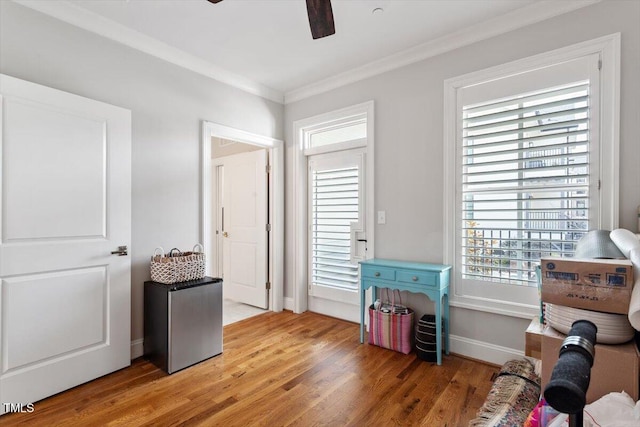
(122, 251)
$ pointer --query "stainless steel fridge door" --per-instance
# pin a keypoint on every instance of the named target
(195, 325)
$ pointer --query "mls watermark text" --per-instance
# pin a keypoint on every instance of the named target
(25, 408)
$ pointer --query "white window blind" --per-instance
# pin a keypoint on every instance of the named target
(334, 206)
(525, 182)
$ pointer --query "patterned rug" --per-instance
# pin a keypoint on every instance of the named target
(514, 393)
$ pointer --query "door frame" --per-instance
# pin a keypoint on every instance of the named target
(299, 262)
(276, 200)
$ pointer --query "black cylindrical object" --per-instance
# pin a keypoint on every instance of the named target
(566, 391)
(425, 338)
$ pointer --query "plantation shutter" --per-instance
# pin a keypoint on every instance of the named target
(334, 203)
(525, 182)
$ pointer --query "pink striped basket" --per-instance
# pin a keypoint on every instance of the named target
(391, 326)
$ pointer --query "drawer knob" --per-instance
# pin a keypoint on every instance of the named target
(414, 278)
(377, 274)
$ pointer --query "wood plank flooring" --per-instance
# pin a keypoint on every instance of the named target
(278, 369)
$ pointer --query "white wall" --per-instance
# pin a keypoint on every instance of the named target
(168, 104)
(409, 152)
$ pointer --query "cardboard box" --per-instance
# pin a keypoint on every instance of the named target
(533, 339)
(615, 368)
(592, 284)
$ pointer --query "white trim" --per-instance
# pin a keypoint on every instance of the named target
(536, 12)
(299, 261)
(276, 203)
(608, 47)
(137, 348)
(95, 23)
(239, 135)
(610, 127)
(484, 351)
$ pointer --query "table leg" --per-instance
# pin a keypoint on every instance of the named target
(446, 323)
(438, 333)
(362, 310)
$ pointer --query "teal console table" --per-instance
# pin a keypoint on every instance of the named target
(429, 279)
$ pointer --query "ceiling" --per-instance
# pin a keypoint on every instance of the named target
(266, 45)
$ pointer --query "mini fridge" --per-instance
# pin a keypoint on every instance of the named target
(182, 322)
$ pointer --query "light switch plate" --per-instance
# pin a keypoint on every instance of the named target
(382, 217)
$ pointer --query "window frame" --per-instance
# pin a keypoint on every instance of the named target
(525, 303)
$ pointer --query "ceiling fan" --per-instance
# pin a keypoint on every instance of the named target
(320, 17)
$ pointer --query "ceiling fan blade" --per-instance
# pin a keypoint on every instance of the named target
(214, 1)
(320, 18)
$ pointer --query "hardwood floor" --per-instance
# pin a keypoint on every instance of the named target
(278, 369)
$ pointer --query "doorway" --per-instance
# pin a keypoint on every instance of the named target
(240, 215)
(220, 249)
(333, 203)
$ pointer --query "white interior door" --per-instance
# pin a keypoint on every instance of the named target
(244, 232)
(65, 206)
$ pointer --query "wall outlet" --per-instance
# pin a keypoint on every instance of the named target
(382, 217)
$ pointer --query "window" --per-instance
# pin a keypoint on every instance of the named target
(528, 172)
(344, 133)
(525, 182)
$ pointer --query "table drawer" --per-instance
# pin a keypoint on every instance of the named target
(420, 277)
(379, 273)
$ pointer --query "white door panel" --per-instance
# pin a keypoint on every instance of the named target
(27, 331)
(244, 233)
(65, 205)
(241, 275)
(44, 159)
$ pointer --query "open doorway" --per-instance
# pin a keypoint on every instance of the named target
(242, 233)
(240, 197)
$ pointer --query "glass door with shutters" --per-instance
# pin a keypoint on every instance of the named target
(337, 239)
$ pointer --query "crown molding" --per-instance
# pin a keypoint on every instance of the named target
(87, 20)
(90, 21)
(536, 12)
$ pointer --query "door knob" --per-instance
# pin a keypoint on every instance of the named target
(122, 251)
(225, 234)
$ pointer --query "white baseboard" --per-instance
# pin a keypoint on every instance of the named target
(481, 350)
(137, 348)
